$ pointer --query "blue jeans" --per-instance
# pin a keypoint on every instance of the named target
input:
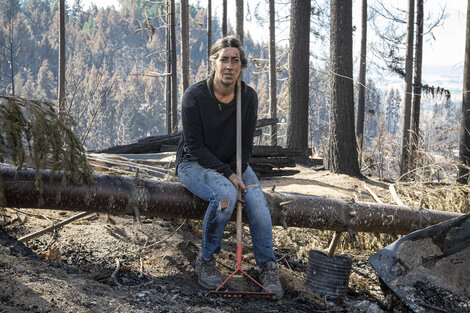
(215, 188)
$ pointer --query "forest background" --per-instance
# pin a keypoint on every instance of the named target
(116, 74)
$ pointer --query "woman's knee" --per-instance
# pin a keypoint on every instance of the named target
(226, 196)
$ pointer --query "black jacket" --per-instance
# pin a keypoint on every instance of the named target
(209, 128)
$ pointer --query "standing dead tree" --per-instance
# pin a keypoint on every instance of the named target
(240, 17)
(209, 34)
(272, 71)
(184, 18)
(174, 72)
(416, 104)
(298, 77)
(405, 149)
(362, 80)
(464, 144)
(61, 93)
(342, 147)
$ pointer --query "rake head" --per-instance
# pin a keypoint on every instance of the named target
(264, 293)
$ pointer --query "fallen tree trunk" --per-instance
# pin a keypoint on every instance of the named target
(122, 195)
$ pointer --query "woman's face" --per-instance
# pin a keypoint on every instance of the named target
(227, 67)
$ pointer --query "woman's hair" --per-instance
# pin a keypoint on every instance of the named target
(226, 42)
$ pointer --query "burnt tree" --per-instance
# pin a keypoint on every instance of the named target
(405, 146)
(362, 81)
(464, 144)
(272, 71)
(224, 18)
(342, 147)
(61, 93)
(209, 34)
(168, 71)
(174, 86)
(184, 43)
(416, 104)
(240, 18)
(131, 195)
(298, 75)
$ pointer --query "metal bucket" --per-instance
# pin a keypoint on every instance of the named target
(328, 276)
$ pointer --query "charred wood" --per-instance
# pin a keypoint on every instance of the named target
(153, 144)
(146, 145)
(122, 195)
(273, 162)
(266, 122)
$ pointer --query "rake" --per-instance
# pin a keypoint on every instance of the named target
(238, 294)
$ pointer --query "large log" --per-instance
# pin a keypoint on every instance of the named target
(121, 195)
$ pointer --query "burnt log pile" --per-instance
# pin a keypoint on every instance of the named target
(265, 160)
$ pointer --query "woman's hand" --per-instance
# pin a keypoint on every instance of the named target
(239, 186)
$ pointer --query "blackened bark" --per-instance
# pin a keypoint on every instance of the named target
(362, 81)
(298, 81)
(405, 148)
(342, 147)
(61, 95)
(272, 71)
(464, 144)
(224, 18)
(209, 34)
(168, 71)
(123, 195)
(11, 45)
(418, 65)
(185, 43)
(174, 72)
(240, 19)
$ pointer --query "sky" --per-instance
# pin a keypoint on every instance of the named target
(442, 57)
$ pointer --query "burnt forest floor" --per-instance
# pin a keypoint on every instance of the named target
(106, 263)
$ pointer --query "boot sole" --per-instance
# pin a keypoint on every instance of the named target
(206, 286)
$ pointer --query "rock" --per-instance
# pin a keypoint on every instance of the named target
(366, 306)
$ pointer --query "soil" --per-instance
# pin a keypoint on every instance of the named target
(114, 264)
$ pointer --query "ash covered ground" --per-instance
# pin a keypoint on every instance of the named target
(114, 264)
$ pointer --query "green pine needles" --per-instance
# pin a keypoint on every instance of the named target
(33, 135)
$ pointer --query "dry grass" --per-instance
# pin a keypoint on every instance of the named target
(443, 197)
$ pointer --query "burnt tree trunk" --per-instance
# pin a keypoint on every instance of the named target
(185, 43)
(61, 93)
(168, 70)
(240, 18)
(342, 147)
(272, 71)
(464, 144)
(11, 44)
(127, 195)
(405, 147)
(209, 35)
(362, 82)
(416, 106)
(224, 18)
(174, 72)
(298, 75)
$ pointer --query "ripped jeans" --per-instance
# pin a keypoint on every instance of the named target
(222, 197)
